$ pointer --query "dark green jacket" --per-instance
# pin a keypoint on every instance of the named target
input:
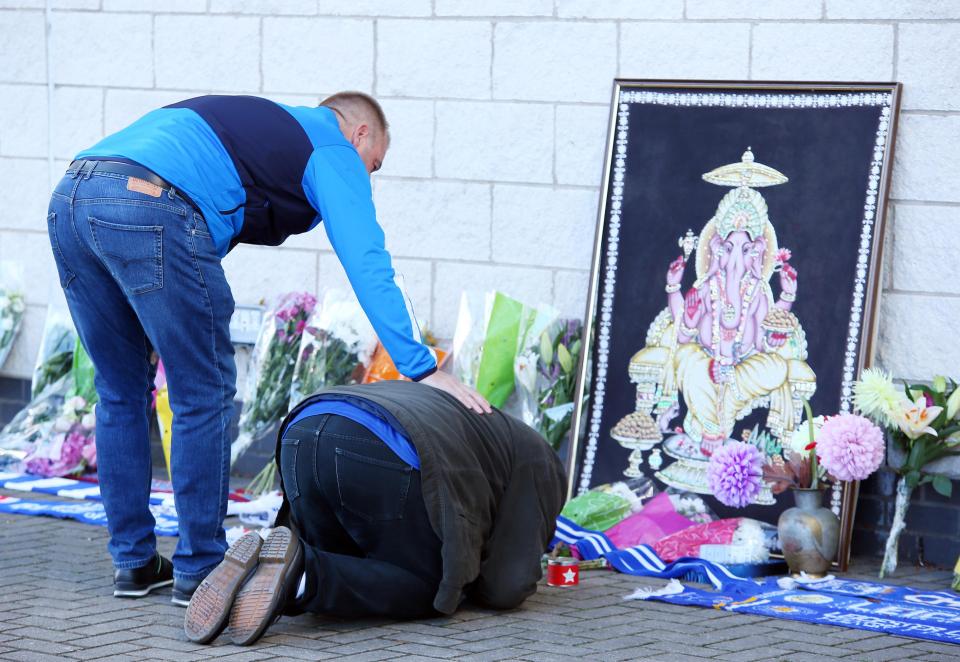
(492, 487)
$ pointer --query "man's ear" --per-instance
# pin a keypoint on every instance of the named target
(360, 134)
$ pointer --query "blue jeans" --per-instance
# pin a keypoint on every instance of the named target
(140, 272)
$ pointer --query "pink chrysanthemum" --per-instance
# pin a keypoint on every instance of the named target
(735, 474)
(850, 447)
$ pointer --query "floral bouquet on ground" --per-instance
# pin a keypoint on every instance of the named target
(267, 395)
(336, 347)
(55, 358)
(546, 377)
(492, 328)
(71, 448)
(923, 426)
(31, 425)
(55, 435)
(11, 312)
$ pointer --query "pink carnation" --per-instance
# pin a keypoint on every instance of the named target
(850, 447)
(89, 452)
(735, 474)
(783, 255)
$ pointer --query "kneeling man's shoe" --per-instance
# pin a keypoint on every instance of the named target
(273, 585)
(209, 606)
(138, 582)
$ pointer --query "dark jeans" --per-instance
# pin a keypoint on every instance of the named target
(369, 547)
(139, 272)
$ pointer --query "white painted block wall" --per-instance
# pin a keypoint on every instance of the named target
(499, 112)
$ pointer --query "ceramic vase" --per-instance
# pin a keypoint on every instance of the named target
(809, 534)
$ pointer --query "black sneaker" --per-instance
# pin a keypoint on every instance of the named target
(183, 590)
(138, 582)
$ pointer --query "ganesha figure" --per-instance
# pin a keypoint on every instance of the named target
(728, 345)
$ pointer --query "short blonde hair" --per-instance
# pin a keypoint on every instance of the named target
(357, 107)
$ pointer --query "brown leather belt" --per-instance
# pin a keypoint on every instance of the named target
(120, 168)
(129, 169)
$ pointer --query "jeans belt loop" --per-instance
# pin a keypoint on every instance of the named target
(89, 166)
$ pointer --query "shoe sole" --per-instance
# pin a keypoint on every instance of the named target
(254, 608)
(141, 592)
(209, 607)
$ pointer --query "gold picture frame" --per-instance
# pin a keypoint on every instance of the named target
(794, 122)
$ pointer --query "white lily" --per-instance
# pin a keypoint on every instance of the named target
(916, 417)
(526, 371)
(953, 404)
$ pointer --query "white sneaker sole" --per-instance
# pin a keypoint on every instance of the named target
(142, 592)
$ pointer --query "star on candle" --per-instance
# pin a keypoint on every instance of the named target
(569, 576)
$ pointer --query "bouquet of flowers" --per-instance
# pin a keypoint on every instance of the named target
(11, 313)
(267, 394)
(55, 435)
(55, 358)
(336, 346)
(545, 379)
(923, 426)
(32, 424)
(491, 330)
(71, 448)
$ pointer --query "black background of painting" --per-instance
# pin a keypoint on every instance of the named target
(825, 153)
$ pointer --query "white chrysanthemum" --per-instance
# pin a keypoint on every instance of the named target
(877, 398)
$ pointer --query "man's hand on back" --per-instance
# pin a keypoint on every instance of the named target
(467, 396)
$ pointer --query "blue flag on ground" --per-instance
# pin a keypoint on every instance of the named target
(896, 610)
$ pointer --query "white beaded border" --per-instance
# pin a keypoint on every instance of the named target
(729, 99)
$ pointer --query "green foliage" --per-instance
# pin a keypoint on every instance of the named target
(943, 485)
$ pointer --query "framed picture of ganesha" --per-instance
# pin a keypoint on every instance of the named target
(735, 276)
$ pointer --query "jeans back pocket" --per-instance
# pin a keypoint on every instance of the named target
(373, 489)
(132, 253)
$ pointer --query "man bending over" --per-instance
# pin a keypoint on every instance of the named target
(400, 502)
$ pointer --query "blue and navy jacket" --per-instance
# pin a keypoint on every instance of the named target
(261, 171)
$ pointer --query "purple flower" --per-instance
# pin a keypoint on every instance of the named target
(735, 474)
(850, 447)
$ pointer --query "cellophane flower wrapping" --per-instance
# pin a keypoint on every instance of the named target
(55, 358)
(336, 347)
(267, 394)
(545, 373)
(607, 505)
(492, 329)
(12, 308)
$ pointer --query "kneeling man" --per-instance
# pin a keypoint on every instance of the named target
(398, 502)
